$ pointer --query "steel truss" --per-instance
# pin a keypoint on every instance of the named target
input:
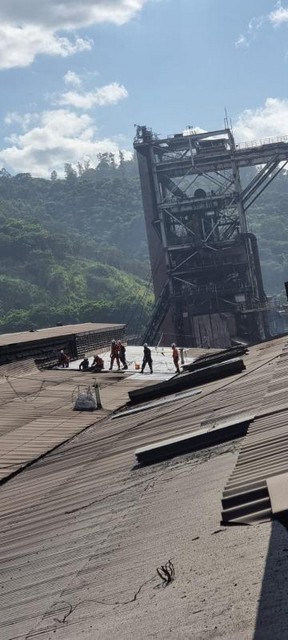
(195, 204)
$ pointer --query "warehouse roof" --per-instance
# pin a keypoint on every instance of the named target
(83, 531)
(55, 332)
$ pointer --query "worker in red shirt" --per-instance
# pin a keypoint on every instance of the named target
(122, 354)
(175, 356)
(97, 364)
(114, 355)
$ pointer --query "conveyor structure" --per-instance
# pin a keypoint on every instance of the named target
(205, 263)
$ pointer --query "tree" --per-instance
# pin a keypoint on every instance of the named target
(70, 173)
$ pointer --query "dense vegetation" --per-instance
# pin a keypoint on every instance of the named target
(268, 219)
(74, 249)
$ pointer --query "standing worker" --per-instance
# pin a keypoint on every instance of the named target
(63, 360)
(114, 355)
(175, 356)
(122, 354)
(147, 358)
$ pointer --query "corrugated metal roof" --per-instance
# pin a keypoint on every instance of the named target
(210, 434)
(264, 454)
(54, 332)
(80, 531)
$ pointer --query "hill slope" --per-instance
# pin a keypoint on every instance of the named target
(75, 249)
(70, 249)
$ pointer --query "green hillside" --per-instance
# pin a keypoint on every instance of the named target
(75, 250)
(268, 219)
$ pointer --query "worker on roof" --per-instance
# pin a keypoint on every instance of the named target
(114, 355)
(84, 365)
(147, 358)
(175, 356)
(122, 354)
(97, 364)
(63, 360)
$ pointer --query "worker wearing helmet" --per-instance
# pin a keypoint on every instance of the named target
(147, 358)
(114, 355)
(84, 365)
(63, 360)
(122, 354)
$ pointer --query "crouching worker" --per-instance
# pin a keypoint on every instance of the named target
(175, 356)
(147, 358)
(97, 364)
(84, 365)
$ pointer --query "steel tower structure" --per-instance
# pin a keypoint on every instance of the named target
(205, 264)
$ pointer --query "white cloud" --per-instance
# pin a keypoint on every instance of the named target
(189, 130)
(72, 78)
(256, 23)
(241, 42)
(279, 15)
(57, 137)
(30, 27)
(251, 33)
(25, 121)
(20, 45)
(269, 121)
(106, 95)
(68, 14)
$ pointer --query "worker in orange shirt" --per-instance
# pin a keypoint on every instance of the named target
(175, 356)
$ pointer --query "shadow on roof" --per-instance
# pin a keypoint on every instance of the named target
(272, 615)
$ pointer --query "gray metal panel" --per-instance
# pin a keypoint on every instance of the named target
(278, 493)
(263, 456)
(222, 431)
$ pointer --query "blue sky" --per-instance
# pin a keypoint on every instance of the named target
(76, 76)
